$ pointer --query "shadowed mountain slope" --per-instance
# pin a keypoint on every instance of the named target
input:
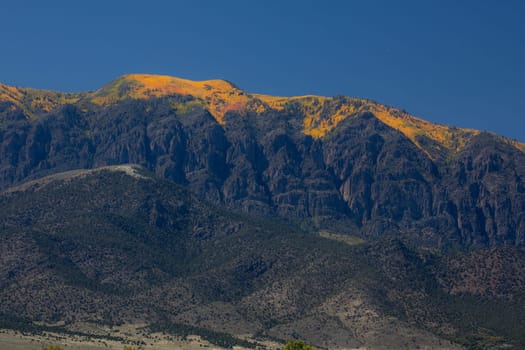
(119, 245)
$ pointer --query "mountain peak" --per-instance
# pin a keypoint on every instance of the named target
(165, 84)
(219, 96)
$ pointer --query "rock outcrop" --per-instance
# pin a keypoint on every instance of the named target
(338, 161)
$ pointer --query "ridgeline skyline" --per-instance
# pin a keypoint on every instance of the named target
(449, 63)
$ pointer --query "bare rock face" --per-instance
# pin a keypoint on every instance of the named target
(486, 193)
(384, 179)
(350, 163)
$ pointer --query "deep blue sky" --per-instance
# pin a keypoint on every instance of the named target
(457, 62)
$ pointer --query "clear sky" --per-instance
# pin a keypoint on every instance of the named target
(457, 62)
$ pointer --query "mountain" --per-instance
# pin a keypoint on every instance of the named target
(195, 206)
(118, 245)
(326, 160)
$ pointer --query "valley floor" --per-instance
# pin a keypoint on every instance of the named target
(131, 335)
(15, 340)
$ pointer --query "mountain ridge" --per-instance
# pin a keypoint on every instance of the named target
(340, 161)
(221, 96)
(129, 169)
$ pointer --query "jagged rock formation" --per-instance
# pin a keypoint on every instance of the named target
(375, 168)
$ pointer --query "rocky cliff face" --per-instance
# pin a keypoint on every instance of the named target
(343, 160)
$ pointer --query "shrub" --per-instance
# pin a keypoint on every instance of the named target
(297, 345)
